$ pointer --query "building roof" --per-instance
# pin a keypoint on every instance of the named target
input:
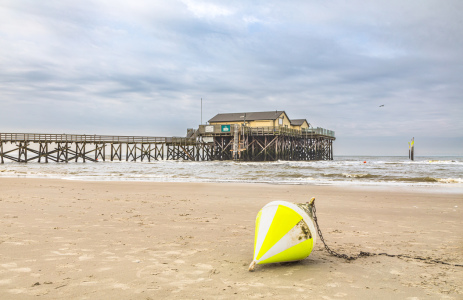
(298, 122)
(250, 116)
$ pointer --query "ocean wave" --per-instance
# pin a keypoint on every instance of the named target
(417, 179)
(287, 175)
(437, 161)
(360, 175)
(450, 180)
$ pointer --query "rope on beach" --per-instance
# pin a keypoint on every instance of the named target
(365, 254)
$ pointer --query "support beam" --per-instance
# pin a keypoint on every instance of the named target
(100, 151)
(1, 153)
(131, 152)
(116, 151)
(22, 151)
(62, 154)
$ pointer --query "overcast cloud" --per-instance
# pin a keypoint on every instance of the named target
(142, 67)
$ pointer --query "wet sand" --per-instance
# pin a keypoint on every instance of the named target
(125, 240)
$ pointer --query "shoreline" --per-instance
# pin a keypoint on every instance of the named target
(447, 188)
(146, 240)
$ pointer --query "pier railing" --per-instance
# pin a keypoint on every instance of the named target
(73, 138)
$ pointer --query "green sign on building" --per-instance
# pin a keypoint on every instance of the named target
(225, 128)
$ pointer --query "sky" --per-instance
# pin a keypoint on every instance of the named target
(136, 67)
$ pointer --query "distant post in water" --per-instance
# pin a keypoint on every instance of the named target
(411, 151)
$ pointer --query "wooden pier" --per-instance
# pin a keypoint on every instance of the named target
(66, 148)
(207, 143)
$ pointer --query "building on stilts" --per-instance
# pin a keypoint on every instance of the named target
(266, 136)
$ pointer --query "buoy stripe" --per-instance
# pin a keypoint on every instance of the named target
(293, 237)
(264, 224)
(257, 228)
(283, 221)
(297, 252)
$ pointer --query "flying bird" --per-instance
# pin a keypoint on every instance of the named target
(381, 105)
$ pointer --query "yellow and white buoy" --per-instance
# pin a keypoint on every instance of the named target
(284, 232)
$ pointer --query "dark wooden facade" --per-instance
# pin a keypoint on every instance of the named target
(269, 143)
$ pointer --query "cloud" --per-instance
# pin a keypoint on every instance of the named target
(137, 66)
(207, 10)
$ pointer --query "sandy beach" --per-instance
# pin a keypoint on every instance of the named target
(63, 239)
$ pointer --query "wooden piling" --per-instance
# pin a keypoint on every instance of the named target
(413, 149)
(1, 152)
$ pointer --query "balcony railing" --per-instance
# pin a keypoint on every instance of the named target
(278, 130)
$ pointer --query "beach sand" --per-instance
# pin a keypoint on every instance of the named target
(132, 240)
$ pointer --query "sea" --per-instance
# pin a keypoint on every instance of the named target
(445, 172)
